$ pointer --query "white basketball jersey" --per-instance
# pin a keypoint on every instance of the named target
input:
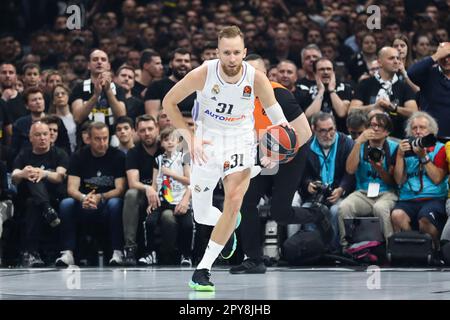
(225, 107)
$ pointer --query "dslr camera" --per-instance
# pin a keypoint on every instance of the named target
(421, 142)
(323, 192)
(375, 154)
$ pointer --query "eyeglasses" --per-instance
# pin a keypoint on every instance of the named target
(376, 126)
(326, 131)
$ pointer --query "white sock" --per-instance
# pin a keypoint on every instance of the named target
(211, 253)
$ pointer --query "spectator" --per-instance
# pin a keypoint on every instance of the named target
(34, 99)
(420, 47)
(39, 174)
(209, 51)
(96, 183)
(434, 84)
(125, 78)
(180, 64)
(375, 184)
(133, 58)
(140, 161)
(98, 98)
(309, 55)
(60, 108)
(151, 70)
(31, 75)
(272, 74)
(401, 43)
(55, 125)
(420, 173)
(385, 90)
(8, 53)
(325, 174)
(172, 210)
(79, 64)
(287, 76)
(356, 123)
(53, 78)
(14, 103)
(327, 95)
(163, 120)
(368, 53)
(124, 130)
(374, 67)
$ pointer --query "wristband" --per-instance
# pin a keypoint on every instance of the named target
(275, 114)
(425, 160)
(333, 91)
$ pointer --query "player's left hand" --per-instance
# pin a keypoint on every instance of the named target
(198, 155)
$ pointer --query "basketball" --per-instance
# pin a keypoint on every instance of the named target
(279, 144)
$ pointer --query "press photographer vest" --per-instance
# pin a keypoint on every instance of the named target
(366, 174)
(418, 184)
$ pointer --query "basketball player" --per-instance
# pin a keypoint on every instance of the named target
(223, 145)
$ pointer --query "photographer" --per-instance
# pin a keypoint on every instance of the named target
(420, 171)
(326, 180)
(371, 162)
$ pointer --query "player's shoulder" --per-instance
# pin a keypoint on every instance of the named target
(199, 73)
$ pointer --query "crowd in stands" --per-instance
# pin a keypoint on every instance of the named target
(90, 162)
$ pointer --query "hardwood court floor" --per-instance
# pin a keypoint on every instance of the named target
(163, 283)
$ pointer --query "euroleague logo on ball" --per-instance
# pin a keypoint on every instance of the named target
(279, 143)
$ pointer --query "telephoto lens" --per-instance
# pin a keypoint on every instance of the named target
(421, 142)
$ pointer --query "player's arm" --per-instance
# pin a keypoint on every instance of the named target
(294, 113)
(152, 107)
(264, 91)
(302, 129)
(193, 81)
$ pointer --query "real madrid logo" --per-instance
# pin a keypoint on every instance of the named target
(215, 89)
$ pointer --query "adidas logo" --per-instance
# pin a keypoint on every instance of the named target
(206, 189)
(214, 98)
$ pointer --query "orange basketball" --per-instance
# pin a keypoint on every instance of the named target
(279, 144)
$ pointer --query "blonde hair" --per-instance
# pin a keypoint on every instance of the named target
(231, 32)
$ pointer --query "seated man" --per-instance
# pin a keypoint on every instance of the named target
(371, 162)
(140, 161)
(95, 186)
(420, 173)
(325, 178)
(39, 173)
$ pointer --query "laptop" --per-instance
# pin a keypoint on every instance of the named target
(360, 229)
